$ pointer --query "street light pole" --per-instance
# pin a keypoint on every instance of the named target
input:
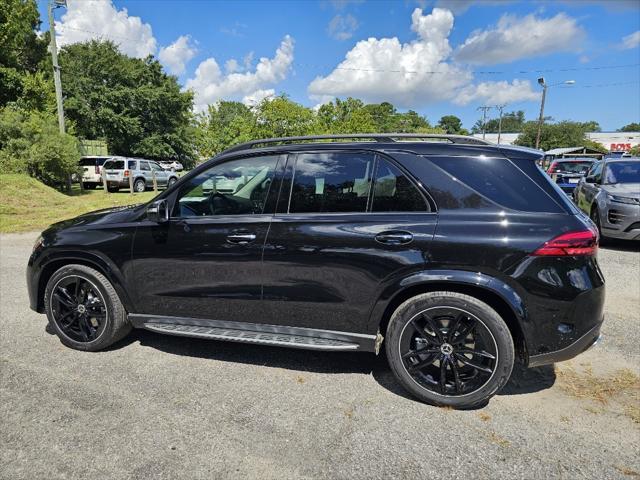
(484, 109)
(544, 86)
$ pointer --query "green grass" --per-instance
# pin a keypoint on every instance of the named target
(27, 204)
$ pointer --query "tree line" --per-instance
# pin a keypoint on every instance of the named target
(139, 110)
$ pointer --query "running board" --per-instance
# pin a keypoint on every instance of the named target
(282, 336)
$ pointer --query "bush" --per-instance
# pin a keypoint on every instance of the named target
(31, 143)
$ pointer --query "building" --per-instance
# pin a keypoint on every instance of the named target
(613, 141)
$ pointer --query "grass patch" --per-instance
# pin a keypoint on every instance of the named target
(27, 204)
(601, 389)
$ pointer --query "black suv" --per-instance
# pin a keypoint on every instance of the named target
(459, 256)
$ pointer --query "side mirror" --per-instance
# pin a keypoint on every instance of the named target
(590, 179)
(158, 212)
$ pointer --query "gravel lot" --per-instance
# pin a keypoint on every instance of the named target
(168, 407)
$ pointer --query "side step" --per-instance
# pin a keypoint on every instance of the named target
(292, 337)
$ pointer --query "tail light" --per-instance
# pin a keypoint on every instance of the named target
(583, 243)
(97, 169)
(126, 173)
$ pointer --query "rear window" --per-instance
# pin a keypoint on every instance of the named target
(571, 167)
(114, 165)
(500, 181)
(88, 162)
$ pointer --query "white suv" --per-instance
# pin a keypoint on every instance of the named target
(92, 170)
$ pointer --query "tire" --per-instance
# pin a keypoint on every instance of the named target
(102, 319)
(172, 182)
(487, 335)
(595, 217)
(113, 189)
(139, 185)
(88, 186)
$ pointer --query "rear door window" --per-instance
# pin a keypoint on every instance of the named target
(394, 192)
(331, 182)
(133, 164)
(144, 166)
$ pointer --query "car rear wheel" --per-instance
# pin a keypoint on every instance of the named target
(139, 185)
(113, 188)
(449, 349)
(83, 309)
(595, 217)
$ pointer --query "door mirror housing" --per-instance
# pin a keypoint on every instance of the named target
(590, 179)
(158, 211)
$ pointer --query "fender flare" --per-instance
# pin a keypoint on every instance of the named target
(96, 260)
(427, 278)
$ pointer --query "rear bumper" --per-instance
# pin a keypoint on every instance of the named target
(576, 348)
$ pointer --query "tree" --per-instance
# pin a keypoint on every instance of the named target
(22, 50)
(223, 125)
(556, 135)
(452, 125)
(31, 143)
(631, 127)
(635, 151)
(131, 103)
(281, 117)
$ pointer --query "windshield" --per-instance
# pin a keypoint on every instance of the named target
(622, 172)
(571, 167)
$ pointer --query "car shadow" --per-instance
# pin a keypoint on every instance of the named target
(523, 380)
(619, 245)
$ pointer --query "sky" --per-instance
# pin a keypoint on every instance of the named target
(437, 57)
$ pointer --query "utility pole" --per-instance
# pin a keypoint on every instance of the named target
(54, 59)
(500, 109)
(56, 71)
(484, 109)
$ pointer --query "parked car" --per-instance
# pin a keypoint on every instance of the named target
(610, 195)
(457, 257)
(174, 166)
(567, 172)
(92, 170)
(119, 170)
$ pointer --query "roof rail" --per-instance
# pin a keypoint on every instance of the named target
(378, 137)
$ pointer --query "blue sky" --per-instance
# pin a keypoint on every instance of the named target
(436, 57)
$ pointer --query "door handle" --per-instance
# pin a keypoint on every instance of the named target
(394, 238)
(241, 238)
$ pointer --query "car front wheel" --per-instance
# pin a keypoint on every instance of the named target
(84, 309)
(449, 349)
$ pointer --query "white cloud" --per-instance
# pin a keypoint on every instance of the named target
(385, 69)
(631, 41)
(258, 96)
(342, 27)
(497, 93)
(85, 20)
(178, 54)
(514, 38)
(210, 84)
(413, 74)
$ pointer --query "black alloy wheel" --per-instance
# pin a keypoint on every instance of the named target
(448, 351)
(84, 309)
(595, 217)
(78, 309)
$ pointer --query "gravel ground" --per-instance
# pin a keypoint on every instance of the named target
(168, 407)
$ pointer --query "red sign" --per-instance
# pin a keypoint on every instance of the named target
(620, 147)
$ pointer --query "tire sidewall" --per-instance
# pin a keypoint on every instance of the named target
(489, 317)
(106, 336)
